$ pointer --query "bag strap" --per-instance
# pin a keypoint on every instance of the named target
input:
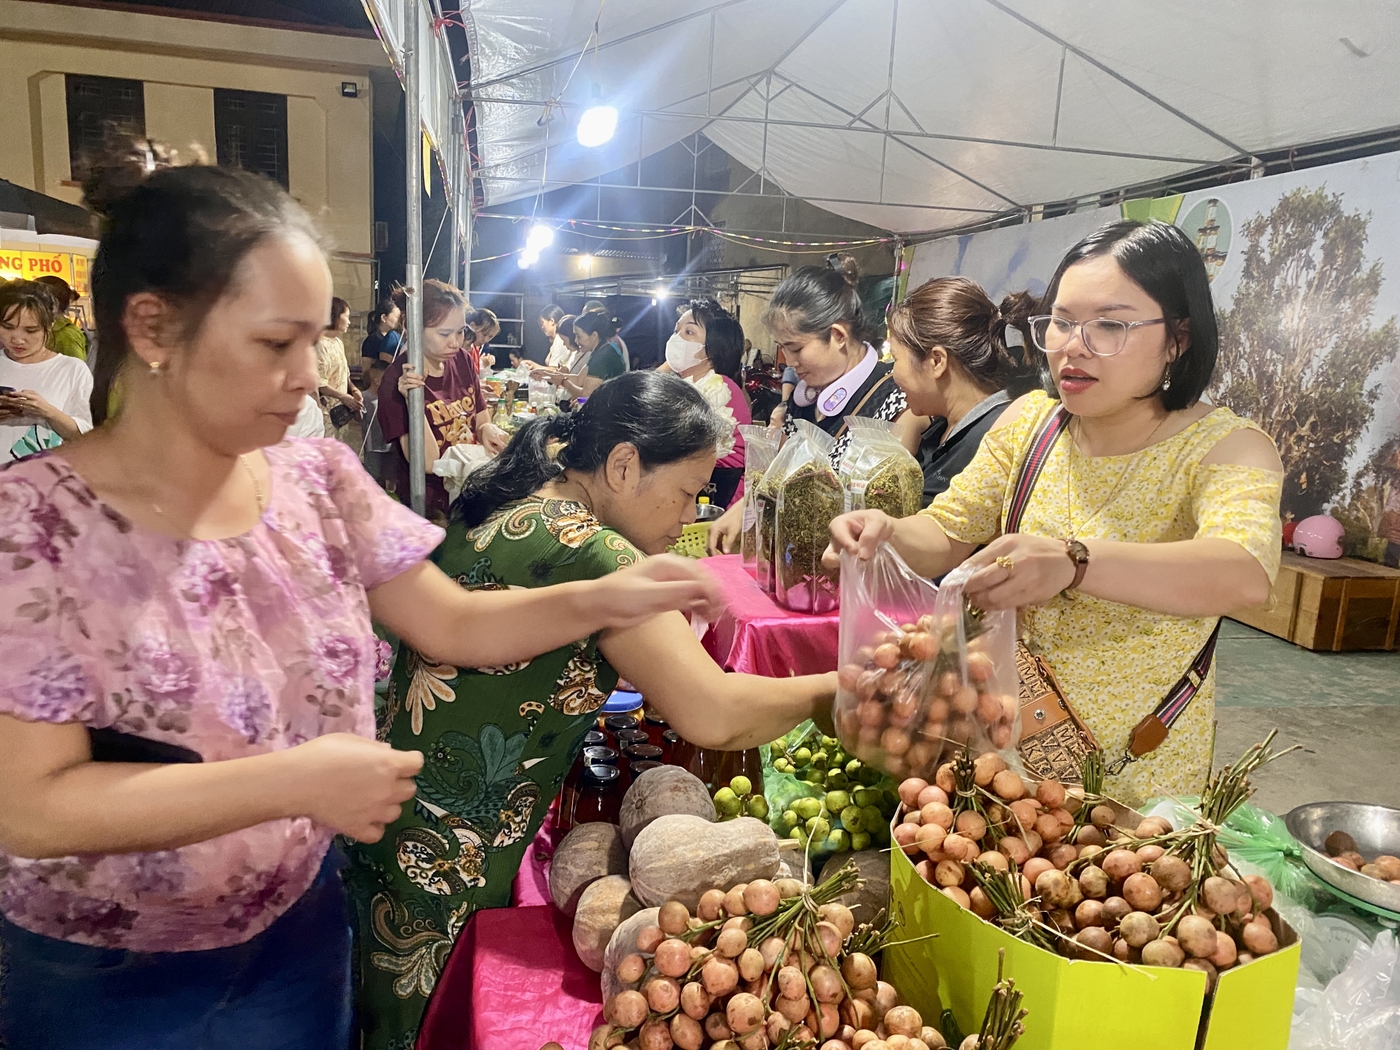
(1033, 463)
(1150, 733)
(860, 404)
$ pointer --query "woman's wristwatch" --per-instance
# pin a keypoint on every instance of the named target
(1079, 554)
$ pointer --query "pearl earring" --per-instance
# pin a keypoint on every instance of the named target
(1166, 383)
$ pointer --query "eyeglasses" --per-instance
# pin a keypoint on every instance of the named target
(1102, 336)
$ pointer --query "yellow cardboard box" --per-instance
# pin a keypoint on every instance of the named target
(1075, 1004)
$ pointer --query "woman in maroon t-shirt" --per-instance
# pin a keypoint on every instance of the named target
(455, 410)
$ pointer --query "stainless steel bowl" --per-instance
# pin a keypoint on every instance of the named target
(707, 511)
(1376, 830)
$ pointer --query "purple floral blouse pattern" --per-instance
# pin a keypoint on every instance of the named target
(230, 647)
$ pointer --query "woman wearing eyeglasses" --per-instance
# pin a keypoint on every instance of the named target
(1153, 514)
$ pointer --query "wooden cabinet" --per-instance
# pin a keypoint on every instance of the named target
(1330, 605)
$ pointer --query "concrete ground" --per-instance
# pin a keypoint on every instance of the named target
(1344, 708)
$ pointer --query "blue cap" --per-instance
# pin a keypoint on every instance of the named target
(620, 703)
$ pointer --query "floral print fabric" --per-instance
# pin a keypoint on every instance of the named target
(496, 742)
(1116, 662)
(228, 647)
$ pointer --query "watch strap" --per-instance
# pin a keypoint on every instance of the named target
(1081, 564)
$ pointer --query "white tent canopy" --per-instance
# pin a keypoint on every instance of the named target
(928, 115)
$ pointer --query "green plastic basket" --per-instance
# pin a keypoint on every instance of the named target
(693, 540)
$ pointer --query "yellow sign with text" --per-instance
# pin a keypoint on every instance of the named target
(33, 265)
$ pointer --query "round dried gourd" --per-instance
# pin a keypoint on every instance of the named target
(661, 792)
(602, 907)
(679, 857)
(588, 852)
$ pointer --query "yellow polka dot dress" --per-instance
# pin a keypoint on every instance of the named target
(1116, 662)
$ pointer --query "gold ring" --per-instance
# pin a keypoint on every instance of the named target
(1006, 563)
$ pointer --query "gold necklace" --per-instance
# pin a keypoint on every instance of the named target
(259, 494)
(1113, 493)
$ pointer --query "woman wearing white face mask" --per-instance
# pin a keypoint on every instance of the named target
(708, 340)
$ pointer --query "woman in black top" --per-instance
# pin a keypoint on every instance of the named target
(953, 364)
(820, 327)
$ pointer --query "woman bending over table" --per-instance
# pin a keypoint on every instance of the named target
(499, 739)
(1153, 516)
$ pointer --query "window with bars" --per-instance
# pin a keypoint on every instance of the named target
(100, 110)
(250, 131)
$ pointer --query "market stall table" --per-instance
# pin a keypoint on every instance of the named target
(756, 635)
(513, 982)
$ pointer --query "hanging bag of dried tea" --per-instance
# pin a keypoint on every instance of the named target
(765, 523)
(809, 497)
(760, 446)
(879, 473)
(922, 672)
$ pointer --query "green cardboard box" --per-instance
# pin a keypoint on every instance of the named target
(1075, 1004)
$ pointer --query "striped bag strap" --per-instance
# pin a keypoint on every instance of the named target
(1033, 463)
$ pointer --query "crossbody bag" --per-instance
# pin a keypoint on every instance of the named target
(1054, 739)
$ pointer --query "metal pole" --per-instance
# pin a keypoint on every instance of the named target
(465, 199)
(413, 276)
(454, 196)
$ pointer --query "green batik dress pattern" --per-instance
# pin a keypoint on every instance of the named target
(497, 743)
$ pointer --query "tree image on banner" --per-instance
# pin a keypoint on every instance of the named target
(1371, 515)
(1297, 345)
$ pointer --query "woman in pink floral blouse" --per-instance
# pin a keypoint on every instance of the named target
(186, 658)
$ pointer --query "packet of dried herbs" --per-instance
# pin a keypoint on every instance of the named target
(809, 496)
(878, 472)
(760, 446)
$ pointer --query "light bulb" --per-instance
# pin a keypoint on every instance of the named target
(539, 238)
(597, 125)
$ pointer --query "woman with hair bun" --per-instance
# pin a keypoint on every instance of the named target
(383, 341)
(575, 496)
(1145, 516)
(558, 355)
(484, 326)
(820, 326)
(953, 364)
(187, 694)
(595, 334)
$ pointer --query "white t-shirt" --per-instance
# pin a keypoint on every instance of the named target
(63, 382)
(309, 422)
(558, 356)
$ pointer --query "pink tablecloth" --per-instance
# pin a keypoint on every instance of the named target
(757, 636)
(513, 982)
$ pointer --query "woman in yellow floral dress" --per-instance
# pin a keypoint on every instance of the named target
(1154, 513)
(497, 741)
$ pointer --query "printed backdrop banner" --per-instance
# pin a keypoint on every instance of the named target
(1305, 271)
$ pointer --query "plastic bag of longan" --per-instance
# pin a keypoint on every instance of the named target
(921, 674)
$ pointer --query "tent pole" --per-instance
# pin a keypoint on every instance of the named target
(454, 198)
(413, 270)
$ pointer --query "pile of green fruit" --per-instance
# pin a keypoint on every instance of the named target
(739, 799)
(852, 803)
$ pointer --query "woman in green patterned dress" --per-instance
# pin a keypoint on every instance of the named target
(498, 741)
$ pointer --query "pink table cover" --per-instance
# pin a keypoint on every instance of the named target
(756, 635)
(531, 885)
(513, 982)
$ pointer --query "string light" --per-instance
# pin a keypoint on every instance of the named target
(642, 232)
